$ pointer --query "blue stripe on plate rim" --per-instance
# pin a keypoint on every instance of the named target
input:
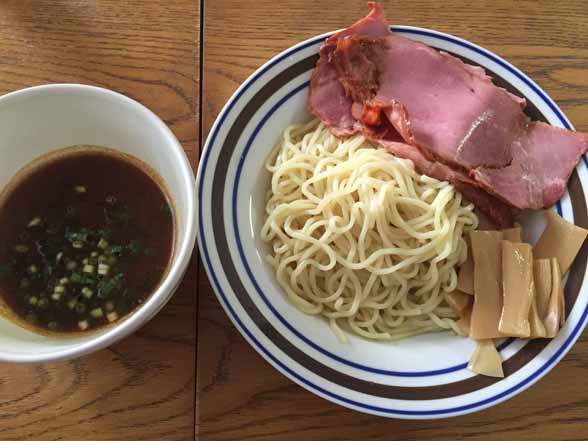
(271, 357)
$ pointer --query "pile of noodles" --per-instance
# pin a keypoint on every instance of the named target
(359, 237)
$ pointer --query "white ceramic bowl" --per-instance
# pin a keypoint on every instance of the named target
(40, 119)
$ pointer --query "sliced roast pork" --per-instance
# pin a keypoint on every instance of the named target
(497, 211)
(543, 160)
(392, 88)
(452, 111)
(327, 98)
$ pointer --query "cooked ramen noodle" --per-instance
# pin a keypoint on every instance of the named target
(357, 236)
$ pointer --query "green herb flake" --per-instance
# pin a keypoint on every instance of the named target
(82, 279)
(89, 280)
(79, 235)
(134, 247)
(97, 313)
(117, 250)
(105, 287)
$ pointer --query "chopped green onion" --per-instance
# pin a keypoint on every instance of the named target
(33, 269)
(43, 303)
(108, 286)
(80, 308)
(56, 296)
(80, 189)
(83, 325)
(102, 259)
(33, 300)
(59, 289)
(71, 265)
(102, 244)
(63, 281)
(112, 316)
(71, 304)
(89, 269)
(103, 269)
(87, 292)
(22, 249)
(77, 244)
(94, 254)
(82, 279)
(35, 222)
(97, 313)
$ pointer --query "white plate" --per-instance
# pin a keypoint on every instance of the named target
(421, 377)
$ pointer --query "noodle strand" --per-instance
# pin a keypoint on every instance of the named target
(357, 236)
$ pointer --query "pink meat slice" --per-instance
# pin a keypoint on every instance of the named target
(330, 102)
(327, 98)
(544, 158)
(394, 87)
(455, 113)
(460, 124)
(458, 117)
(497, 211)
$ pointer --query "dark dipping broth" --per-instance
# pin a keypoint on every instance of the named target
(86, 235)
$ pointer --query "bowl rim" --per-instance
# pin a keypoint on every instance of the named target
(186, 242)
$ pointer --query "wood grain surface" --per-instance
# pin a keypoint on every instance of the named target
(239, 395)
(143, 387)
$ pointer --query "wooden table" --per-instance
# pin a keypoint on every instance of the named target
(150, 386)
